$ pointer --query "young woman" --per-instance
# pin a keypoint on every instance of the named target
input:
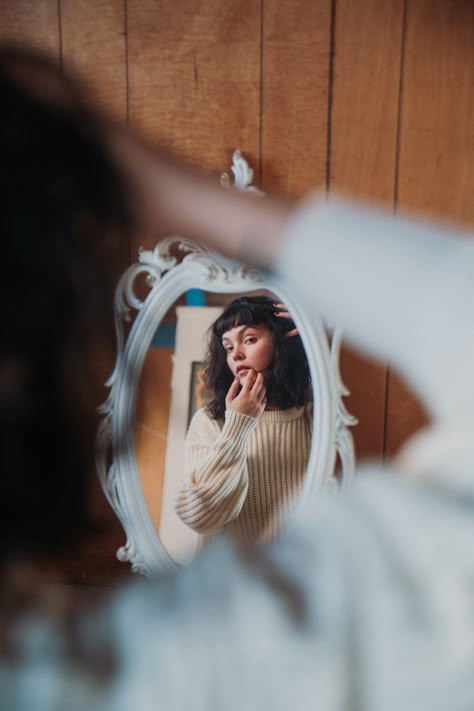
(247, 451)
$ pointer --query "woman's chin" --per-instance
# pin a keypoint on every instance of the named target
(242, 375)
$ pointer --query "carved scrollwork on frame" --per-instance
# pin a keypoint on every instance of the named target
(167, 279)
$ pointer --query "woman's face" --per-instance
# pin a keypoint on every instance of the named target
(248, 348)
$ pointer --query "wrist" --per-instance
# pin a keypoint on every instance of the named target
(237, 425)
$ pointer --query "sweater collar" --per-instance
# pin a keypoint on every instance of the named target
(282, 415)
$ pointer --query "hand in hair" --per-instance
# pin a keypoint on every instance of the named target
(251, 400)
(284, 313)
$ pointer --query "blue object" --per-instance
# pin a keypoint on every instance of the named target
(195, 297)
(165, 336)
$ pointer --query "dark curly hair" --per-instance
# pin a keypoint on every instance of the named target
(287, 382)
(64, 228)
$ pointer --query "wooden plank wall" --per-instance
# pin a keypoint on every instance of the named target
(369, 98)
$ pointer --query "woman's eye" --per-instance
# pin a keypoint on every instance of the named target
(251, 340)
(228, 349)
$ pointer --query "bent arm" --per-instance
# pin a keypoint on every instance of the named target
(216, 482)
(392, 285)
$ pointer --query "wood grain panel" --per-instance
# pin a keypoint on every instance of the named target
(296, 53)
(194, 71)
(437, 136)
(437, 145)
(363, 132)
(366, 82)
(32, 24)
(94, 44)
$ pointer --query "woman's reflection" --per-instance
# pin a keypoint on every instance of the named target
(247, 449)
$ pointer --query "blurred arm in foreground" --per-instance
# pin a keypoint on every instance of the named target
(394, 284)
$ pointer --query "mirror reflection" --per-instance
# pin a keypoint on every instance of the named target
(232, 458)
(220, 436)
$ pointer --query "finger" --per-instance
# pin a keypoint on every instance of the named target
(286, 314)
(259, 387)
(232, 392)
(258, 382)
(249, 381)
(282, 314)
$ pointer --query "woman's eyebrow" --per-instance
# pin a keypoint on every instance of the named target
(240, 332)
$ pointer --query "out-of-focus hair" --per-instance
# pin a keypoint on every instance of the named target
(287, 381)
(64, 223)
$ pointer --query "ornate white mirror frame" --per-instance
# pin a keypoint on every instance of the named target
(169, 279)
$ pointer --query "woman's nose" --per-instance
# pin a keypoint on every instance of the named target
(237, 353)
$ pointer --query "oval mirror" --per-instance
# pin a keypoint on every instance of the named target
(157, 388)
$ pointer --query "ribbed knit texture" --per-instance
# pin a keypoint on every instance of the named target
(243, 476)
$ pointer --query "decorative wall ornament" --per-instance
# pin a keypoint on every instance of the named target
(167, 279)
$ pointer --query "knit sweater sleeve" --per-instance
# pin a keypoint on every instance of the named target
(216, 475)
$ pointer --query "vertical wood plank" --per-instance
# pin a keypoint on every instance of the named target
(295, 79)
(368, 39)
(437, 137)
(194, 71)
(436, 171)
(94, 44)
(364, 116)
(32, 24)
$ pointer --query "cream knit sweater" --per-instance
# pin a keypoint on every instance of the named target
(243, 476)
